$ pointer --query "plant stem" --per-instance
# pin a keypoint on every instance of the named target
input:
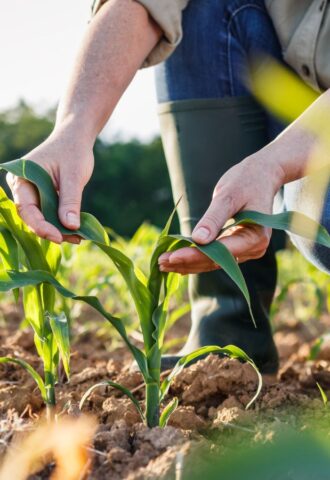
(50, 396)
(152, 404)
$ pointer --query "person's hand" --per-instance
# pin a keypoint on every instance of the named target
(69, 161)
(250, 185)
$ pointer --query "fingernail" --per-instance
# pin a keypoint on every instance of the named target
(201, 233)
(73, 219)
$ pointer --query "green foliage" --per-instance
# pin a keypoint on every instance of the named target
(292, 455)
(21, 249)
(303, 290)
(151, 293)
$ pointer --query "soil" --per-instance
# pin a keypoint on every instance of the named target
(212, 393)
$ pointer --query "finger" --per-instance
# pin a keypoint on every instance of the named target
(253, 256)
(185, 270)
(164, 258)
(221, 209)
(187, 256)
(27, 203)
(70, 193)
(247, 242)
(75, 239)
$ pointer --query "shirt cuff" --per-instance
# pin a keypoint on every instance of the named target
(168, 15)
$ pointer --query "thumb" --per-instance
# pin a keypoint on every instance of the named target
(70, 194)
(220, 210)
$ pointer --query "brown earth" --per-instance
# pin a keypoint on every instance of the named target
(212, 393)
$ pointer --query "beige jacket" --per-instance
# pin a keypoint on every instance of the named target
(303, 27)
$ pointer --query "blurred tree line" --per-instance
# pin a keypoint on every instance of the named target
(130, 183)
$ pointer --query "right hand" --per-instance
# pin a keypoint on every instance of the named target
(70, 164)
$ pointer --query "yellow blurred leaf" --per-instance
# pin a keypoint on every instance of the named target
(64, 442)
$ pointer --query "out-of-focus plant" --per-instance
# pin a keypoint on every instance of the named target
(65, 441)
(292, 454)
(303, 290)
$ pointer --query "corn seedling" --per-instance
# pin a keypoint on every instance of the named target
(151, 295)
(21, 250)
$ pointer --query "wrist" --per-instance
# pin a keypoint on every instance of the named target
(75, 131)
(291, 152)
(266, 166)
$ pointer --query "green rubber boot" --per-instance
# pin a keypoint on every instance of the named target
(202, 140)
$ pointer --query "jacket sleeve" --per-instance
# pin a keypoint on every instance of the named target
(168, 15)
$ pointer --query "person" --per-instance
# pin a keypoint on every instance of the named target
(211, 128)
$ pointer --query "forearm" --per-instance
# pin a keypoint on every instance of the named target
(304, 146)
(117, 41)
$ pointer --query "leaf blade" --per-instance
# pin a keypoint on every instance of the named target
(229, 350)
(60, 327)
(34, 374)
(117, 386)
(167, 412)
(294, 222)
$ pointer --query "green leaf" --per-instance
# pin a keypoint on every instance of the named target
(167, 412)
(220, 254)
(178, 313)
(136, 283)
(13, 279)
(33, 309)
(163, 244)
(34, 374)
(9, 253)
(229, 350)
(60, 328)
(53, 254)
(160, 315)
(294, 222)
(28, 241)
(119, 387)
(323, 394)
(8, 250)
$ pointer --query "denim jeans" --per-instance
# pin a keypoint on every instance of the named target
(219, 39)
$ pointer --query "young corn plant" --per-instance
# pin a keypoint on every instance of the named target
(21, 250)
(151, 295)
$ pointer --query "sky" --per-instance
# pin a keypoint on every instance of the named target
(39, 40)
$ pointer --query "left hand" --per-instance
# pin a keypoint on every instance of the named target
(249, 185)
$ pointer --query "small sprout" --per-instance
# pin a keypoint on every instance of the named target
(323, 394)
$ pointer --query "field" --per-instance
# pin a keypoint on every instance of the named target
(213, 394)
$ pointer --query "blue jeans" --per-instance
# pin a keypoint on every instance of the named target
(219, 39)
